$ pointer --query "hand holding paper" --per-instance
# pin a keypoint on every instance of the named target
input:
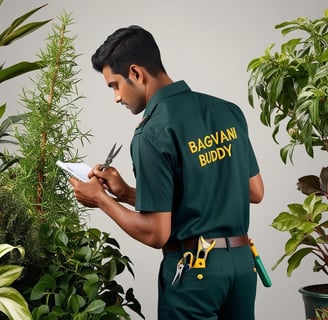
(79, 171)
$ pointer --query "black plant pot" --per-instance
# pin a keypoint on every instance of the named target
(315, 297)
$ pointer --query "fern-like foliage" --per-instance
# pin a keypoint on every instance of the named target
(51, 130)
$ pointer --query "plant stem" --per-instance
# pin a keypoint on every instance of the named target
(44, 135)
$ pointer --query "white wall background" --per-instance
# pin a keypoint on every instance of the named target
(209, 44)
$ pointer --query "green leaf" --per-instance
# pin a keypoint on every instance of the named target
(46, 283)
(295, 260)
(94, 234)
(254, 64)
(13, 304)
(11, 33)
(310, 201)
(91, 289)
(292, 244)
(284, 151)
(9, 273)
(2, 109)
(290, 45)
(276, 88)
(61, 238)
(314, 112)
(284, 222)
(22, 31)
(83, 254)
(319, 209)
(75, 303)
(19, 69)
(38, 312)
(323, 57)
(90, 275)
(96, 307)
(8, 122)
(117, 309)
(111, 270)
(297, 210)
(5, 248)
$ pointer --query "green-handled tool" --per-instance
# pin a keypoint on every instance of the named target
(259, 266)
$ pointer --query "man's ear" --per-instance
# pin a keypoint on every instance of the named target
(136, 72)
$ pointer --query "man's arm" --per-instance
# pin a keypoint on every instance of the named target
(150, 228)
(256, 189)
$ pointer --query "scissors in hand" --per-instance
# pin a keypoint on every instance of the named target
(112, 154)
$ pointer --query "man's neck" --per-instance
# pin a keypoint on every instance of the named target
(157, 83)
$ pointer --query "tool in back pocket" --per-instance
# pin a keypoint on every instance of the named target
(204, 248)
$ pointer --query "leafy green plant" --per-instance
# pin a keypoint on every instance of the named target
(72, 274)
(79, 283)
(292, 90)
(292, 85)
(17, 227)
(51, 129)
(12, 303)
(306, 224)
(15, 31)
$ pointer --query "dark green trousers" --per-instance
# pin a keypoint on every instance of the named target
(224, 290)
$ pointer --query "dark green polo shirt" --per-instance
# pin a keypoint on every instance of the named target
(192, 156)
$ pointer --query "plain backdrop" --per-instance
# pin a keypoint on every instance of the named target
(209, 44)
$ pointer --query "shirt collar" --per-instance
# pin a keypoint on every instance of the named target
(167, 91)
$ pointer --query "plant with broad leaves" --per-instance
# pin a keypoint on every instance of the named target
(306, 224)
(15, 31)
(74, 277)
(79, 283)
(12, 303)
(292, 90)
(292, 85)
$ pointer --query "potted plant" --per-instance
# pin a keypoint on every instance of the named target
(291, 87)
(69, 269)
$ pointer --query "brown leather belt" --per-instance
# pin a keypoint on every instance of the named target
(192, 243)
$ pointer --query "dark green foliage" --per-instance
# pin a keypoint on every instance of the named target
(17, 227)
(70, 270)
(292, 86)
(79, 282)
(292, 90)
(306, 223)
(51, 130)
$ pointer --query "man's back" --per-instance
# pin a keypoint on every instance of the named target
(197, 152)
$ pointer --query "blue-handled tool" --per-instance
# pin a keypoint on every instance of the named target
(188, 260)
(179, 271)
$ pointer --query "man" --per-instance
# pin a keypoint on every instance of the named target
(196, 174)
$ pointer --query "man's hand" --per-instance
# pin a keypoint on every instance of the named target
(114, 183)
(88, 193)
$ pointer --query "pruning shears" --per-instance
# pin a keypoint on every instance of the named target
(204, 248)
(112, 154)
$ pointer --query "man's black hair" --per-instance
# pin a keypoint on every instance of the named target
(126, 46)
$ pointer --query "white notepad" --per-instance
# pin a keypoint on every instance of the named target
(77, 170)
